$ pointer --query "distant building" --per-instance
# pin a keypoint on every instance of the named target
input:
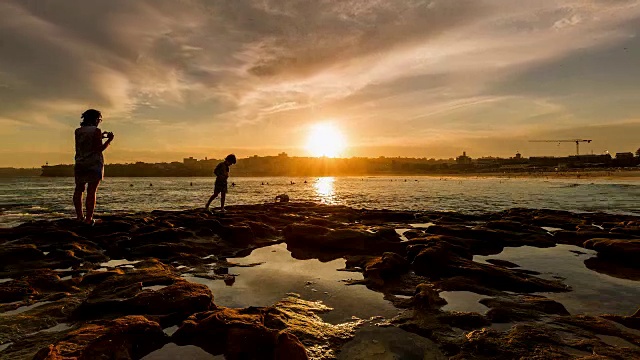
(190, 161)
(624, 159)
(463, 159)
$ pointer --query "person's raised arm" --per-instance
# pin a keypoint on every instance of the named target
(98, 140)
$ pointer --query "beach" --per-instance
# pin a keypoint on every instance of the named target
(309, 280)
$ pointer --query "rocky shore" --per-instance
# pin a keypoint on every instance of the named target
(121, 289)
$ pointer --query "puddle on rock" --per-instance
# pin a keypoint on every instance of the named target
(154, 287)
(280, 274)
(575, 352)
(422, 225)
(5, 345)
(401, 231)
(172, 351)
(465, 301)
(58, 328)
(389, 343)
(170, 330)
(551, 229)
(592, 293)
(25, 308)
(116, 263)
(5, 280)
(617, 341)
(504, 327)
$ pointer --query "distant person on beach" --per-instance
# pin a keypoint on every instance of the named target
(222, 175)
(89, 162)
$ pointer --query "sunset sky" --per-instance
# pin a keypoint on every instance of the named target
(398, 78)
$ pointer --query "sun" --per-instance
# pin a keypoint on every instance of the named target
(325, 140)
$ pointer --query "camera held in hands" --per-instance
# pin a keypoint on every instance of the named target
(107, 134)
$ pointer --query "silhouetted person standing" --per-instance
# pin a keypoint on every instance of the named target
(89, 162)
(222, 175)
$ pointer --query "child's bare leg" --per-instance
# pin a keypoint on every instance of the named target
(77, 201)
(92, 189)
(223, 196)
(213, 197)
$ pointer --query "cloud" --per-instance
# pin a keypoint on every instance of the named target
(392, 71)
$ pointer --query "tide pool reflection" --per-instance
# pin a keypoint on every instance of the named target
(324, 189)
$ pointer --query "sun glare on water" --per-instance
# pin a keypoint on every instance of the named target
(325, 140)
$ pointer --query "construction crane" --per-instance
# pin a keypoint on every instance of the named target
(577, 141)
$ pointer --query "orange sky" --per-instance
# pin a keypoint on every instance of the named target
(399, 78)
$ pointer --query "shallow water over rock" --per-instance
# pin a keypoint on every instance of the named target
(465, 301)
(5, 345)
(173, 351)
(280, 274)
(592, 292)
(389, 343)
(120, 262)
(25, 308)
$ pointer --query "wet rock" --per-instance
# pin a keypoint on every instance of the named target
(503, 263)
(522, 341)
(519, 308)
(579, 237)
(129, 337)
(632, 321)
(614, 268)
(181, 297)
(17, 254)
(16, 291)
(439, 261)
(597, 325)
(514, 226)
(97, 277)
(627, 251)
(316, 237)
(387, 216)
(427, 297)
(387, 266)
(463, 320)
(413, 233)
(230, 331)
(387, 343)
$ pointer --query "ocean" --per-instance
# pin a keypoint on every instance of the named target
(34, 198)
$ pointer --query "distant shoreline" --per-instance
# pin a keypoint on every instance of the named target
(577, 174)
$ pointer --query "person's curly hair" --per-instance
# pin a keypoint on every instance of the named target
(231, 158)
(90, 117)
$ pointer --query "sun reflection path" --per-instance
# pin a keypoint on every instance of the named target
(324, 189)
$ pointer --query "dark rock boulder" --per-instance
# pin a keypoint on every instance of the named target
(387, 266)
(181, 298)
(238, 334)
(438, 261)
(129, 337)
(527, 307)
(320, 238)
(17, 254)
(16, 290)
(427, 297)
(627, 251)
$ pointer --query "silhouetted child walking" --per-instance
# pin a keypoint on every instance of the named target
(222, 175)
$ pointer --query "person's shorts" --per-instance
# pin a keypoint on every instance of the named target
(86, 175)
(220, 187)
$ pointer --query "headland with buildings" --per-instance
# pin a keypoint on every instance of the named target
(284, 165)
